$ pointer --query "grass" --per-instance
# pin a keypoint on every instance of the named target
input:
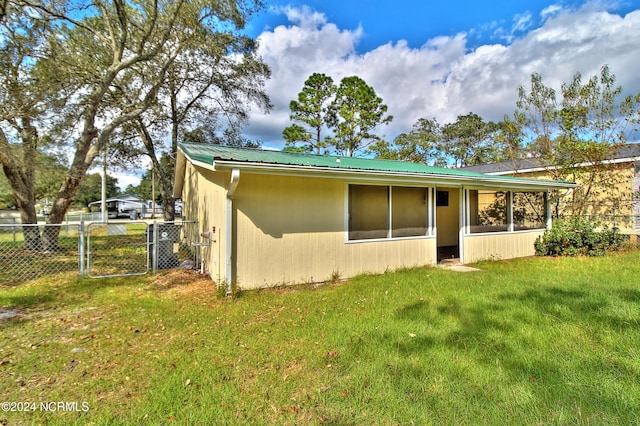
(529, 341)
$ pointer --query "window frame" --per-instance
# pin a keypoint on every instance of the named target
(429, 210)
(510, 225)
(540, 225)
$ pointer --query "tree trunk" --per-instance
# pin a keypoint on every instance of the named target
(168, 202)
(22, 181)
(25, 200)
(32, 240)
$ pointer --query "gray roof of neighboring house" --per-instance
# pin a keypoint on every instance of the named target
(630, 152)
(125, 198)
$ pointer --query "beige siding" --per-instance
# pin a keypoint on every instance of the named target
(610, 193)
(204, 195)
(499, 245)
(292, 230)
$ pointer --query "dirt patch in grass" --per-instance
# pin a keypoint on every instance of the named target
(283, 289)
(182, 281)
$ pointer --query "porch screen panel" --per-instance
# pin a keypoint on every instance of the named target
(368, 212)
(528, 210)
(487, 211)
(408, 211)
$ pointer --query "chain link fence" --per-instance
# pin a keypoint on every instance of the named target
(26, 254)
(623, 215)
(95, 249)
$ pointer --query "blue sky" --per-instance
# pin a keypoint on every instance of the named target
(418, 21)
(440, 59)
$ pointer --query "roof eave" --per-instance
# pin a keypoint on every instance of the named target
(551, 168)
(385, 176)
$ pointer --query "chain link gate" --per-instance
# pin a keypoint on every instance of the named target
(135, 248)
(117, 249)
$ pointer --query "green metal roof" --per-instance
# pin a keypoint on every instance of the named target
(210, 154)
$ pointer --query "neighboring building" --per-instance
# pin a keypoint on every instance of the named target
(610, 191)
(121, 206)
(127, 206)
(284, 218)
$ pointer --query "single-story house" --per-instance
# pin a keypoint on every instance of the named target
(279, 218)
(613, 185)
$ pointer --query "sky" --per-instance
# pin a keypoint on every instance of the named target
(429, 59)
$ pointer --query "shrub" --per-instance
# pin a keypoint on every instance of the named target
(577, 236)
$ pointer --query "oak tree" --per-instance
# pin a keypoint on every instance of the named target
(89, 52)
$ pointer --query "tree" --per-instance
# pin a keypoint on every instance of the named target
(88, 52)
(467, 141)
(536, 116)
(576, 135)
(353, 115)
(204, 81)
(310, 110)
(148, 181)
(90, 189)
(420, 145)
(27, 100)
(508, 138)
(231, 136)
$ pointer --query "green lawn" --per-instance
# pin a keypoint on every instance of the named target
(524, 342)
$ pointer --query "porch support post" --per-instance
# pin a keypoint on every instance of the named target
(463, 222)
(431, 211)
(547, 206)
(510, 226)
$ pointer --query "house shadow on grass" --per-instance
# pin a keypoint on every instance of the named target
(540, 342)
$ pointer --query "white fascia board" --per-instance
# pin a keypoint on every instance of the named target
(544, 169)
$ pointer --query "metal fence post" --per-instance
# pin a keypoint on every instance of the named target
(81, 248)
(154, 248)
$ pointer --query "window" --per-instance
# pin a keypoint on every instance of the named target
(377, 212)
(409, 212)
(528, 210)
(488, 211)
(368, 212)
(442, 198)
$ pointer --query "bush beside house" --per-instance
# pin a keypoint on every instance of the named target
(578, 236)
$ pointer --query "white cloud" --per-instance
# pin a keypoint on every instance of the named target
(443, 78)
(304, 17)
(550, 11)
(521, 22)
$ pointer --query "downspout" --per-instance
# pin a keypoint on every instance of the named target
(228, 237)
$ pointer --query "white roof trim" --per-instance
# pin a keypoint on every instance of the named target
(543, 169)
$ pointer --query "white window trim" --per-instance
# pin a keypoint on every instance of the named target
(429, 211)
(510, 223)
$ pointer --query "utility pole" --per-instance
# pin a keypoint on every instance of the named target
(153, 192)
(103, 204)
